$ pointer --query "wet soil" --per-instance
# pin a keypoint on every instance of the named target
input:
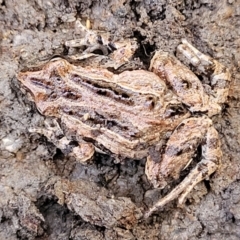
(46, 195)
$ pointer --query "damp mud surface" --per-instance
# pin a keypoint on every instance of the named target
(47, 195)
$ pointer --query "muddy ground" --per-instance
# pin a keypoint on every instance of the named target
(45, 195)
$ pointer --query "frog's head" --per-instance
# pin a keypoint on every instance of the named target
(42, 82)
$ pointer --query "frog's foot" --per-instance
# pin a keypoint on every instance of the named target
(220, 76)
(92, 41)
(92, 46)
(179, 151)
(82, 151)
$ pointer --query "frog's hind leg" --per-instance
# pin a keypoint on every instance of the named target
(220, 76)
(180, 150)
(82, 151)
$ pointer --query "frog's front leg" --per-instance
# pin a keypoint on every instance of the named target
(179, 151)
(82, 151)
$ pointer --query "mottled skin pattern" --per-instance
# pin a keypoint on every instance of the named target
(128, 114)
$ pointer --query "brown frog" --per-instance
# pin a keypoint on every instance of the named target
(131, 114)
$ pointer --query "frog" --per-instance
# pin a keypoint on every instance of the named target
(162, 114)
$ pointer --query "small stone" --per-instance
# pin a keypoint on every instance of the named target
(12, 145)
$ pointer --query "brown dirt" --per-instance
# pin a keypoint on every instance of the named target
(44, 195)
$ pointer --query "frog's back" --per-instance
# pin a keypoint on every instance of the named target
(130, 110)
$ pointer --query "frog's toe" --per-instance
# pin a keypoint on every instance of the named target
(83, 152)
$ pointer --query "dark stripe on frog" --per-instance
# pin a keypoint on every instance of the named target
(103, 88)
(108, 122)
(42, 83)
